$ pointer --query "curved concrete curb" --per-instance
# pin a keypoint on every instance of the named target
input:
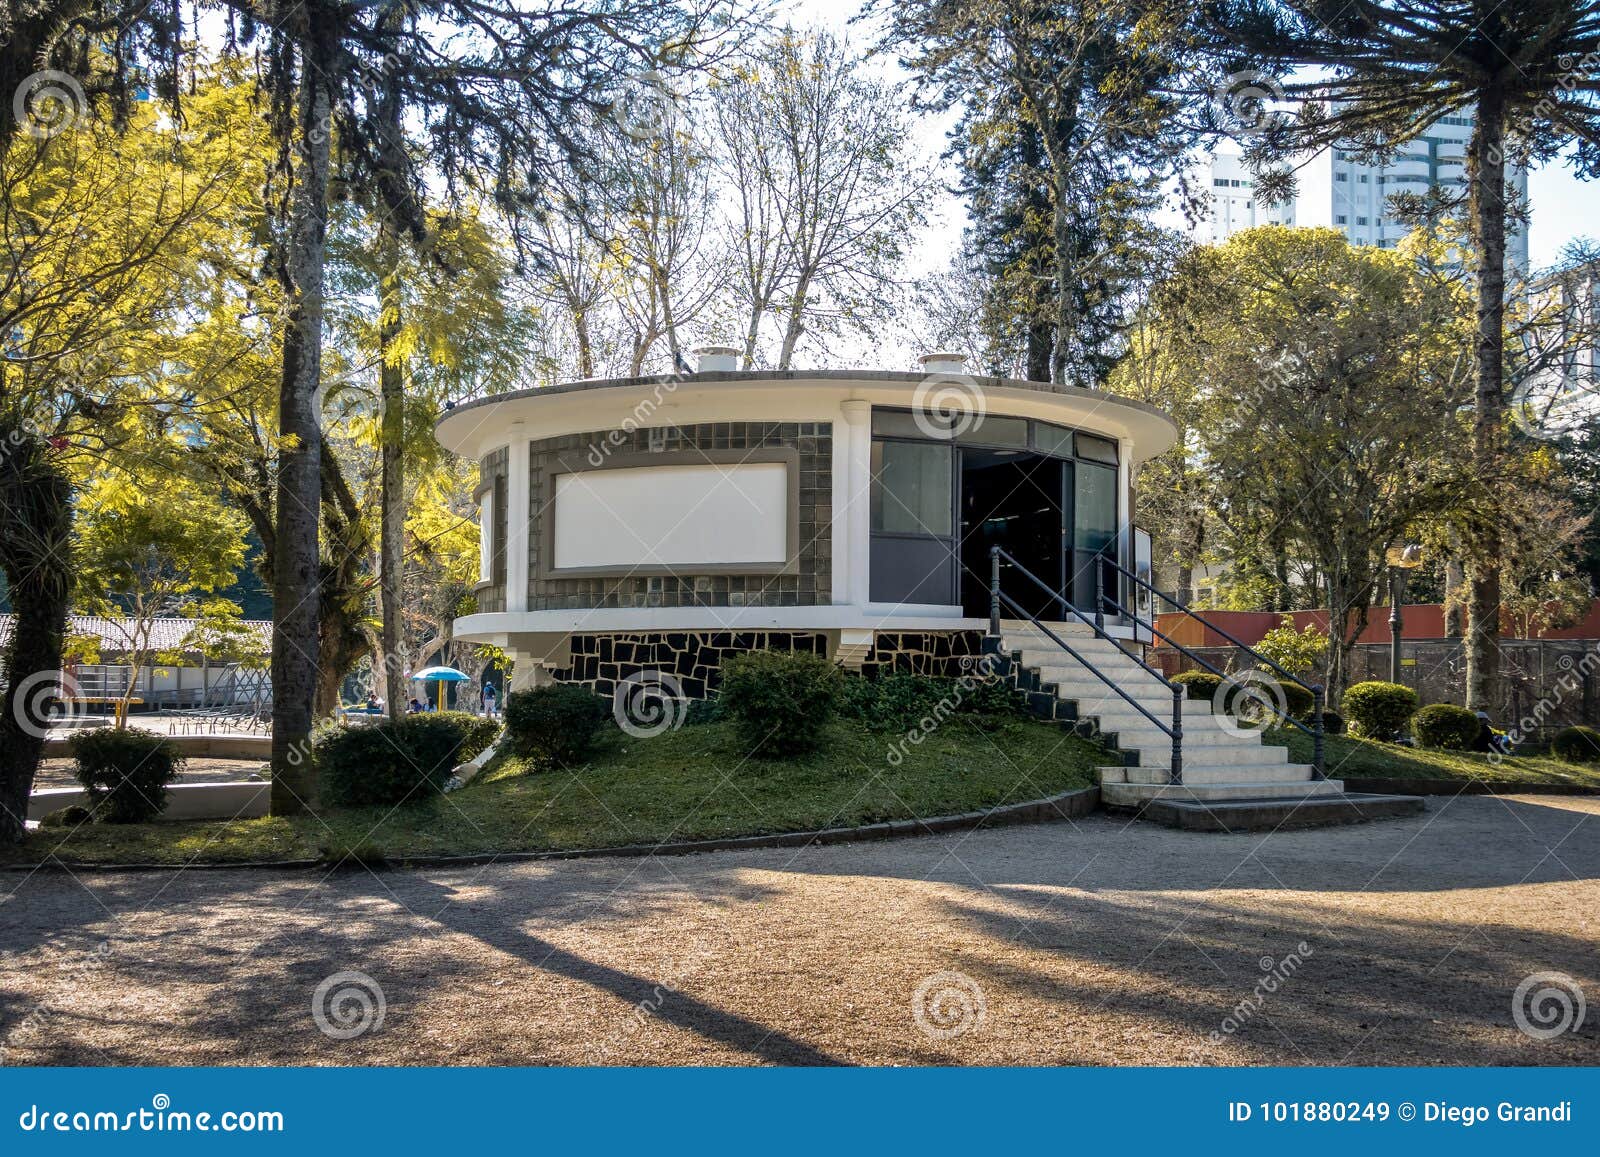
(1065, 806)
(465, 773)
(1378, 785)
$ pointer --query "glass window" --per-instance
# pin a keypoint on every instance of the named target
(1052, 440)
(1097, 449)
(1094, 507)
(992, 431)
(486, 535)
(911, 488)
(903, 424)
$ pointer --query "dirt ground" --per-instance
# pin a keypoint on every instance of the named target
(58, 772)
(1097, 942)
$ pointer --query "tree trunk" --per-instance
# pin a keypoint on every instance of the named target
(296, 571)
(1454, 577)
(1489, 230)
(1064, 313)
(36, 555)
(1038, 355)
(796, 324)
(392, 501)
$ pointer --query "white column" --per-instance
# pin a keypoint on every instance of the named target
(852, 502)
(517, 520)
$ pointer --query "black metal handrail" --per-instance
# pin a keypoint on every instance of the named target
(997, 596)
(1318, 757)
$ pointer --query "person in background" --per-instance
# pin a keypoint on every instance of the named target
(374, 704)
(491, 699)
(415, 706)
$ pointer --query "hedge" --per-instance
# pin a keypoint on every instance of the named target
(403, 760)
(1577, 745)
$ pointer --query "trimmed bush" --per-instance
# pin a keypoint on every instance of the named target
(1198, 684)
(1379, 710)
(555, 723)
(780, 701)
(1446, 727)
(125, 772)
(1332, 723)
(403, 760)
(1577, 745)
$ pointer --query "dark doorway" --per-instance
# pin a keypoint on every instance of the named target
(1013, 500)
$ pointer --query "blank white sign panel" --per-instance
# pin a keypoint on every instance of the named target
(673, 516)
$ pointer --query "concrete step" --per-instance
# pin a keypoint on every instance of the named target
(1276, 814)
(1121, 718)
(1138, 794)
(1213, 773)
(1159, 755)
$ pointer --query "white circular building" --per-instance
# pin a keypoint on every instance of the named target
(660, 523)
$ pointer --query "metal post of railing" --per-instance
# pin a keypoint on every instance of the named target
(1099, 593)
(1177, 733)
(1318, 699)
(994, 592)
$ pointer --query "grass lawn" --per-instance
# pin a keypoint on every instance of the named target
(1354, 759)
(689, 784)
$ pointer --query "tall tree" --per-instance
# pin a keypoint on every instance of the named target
(1070, 127)
(1373, 75)
(1337, 364)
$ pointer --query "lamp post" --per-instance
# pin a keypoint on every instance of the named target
(1401, 560)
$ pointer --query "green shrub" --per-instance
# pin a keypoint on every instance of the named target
(1198, 684)
(780, 701)
(555, 723)
(1577, 745)
(403, 760)
(1298, 701)
(702, 711)
(125, 772)
(899, 700)
(1332, 723)
(474, 732)
(1446, 727)
(1378, 710)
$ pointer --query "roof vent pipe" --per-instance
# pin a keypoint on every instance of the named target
(717, 359)
(943, 362)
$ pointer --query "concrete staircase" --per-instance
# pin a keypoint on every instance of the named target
(1224, 764)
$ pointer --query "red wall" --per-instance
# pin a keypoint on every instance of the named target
(1424, 621)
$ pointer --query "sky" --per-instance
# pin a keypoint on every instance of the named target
(1563, 209)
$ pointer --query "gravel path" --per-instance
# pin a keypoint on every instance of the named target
(1099, 942)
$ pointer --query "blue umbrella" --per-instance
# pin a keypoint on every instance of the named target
(443, 675)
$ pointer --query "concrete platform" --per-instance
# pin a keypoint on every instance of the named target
(1256, 815)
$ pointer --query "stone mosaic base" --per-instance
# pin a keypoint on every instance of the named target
(695, 658)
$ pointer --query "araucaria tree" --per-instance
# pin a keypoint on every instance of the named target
(1371, 75)
(1070, 128)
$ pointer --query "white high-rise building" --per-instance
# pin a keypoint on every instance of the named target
(1233, 201)
(1336, 191)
